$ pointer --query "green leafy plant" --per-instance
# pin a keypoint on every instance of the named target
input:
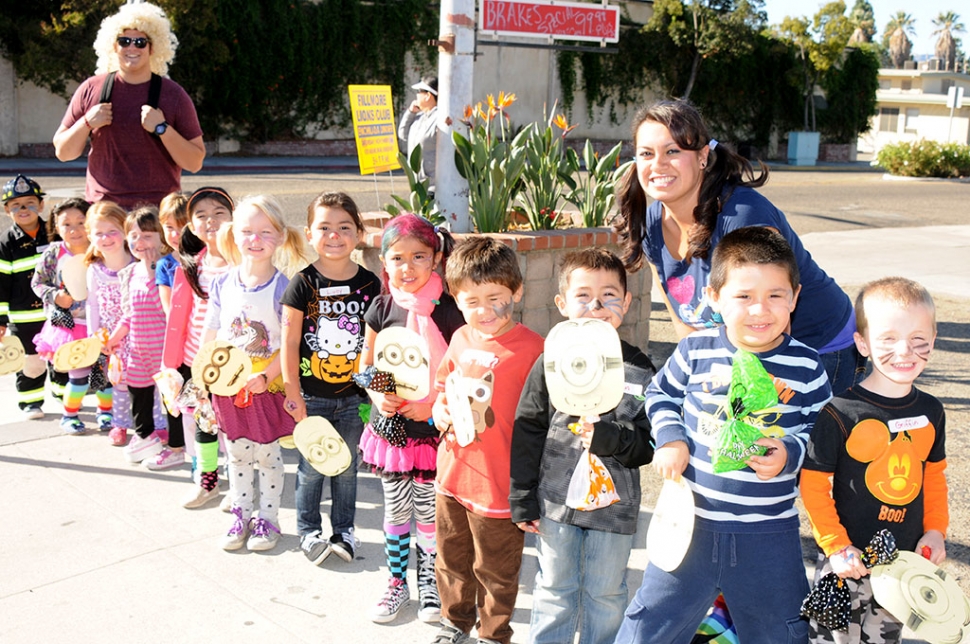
(547, 174)
(594, 191)
(491, 162)
(420, 201)
(924, 158)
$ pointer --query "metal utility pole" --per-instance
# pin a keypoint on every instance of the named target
(456, 49)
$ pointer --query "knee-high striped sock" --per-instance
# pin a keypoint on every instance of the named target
(426, 539)
(73, 395)
(105, 400)
(397, 547)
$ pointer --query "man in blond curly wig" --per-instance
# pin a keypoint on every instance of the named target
(137, 151)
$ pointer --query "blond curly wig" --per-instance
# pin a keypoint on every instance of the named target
(144, 17)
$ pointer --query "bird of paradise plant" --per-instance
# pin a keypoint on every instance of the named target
(547, 174)
(490, 162)
(594, 192)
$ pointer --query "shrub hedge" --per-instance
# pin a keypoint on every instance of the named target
(924, 158)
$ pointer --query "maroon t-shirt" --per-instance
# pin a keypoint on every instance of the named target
(126, 164)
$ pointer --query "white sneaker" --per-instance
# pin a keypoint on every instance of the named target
(263, 535)
(226, 504)
(138, 448)
(236, 537)
(165, 460)
(396, 597)
(33, 413)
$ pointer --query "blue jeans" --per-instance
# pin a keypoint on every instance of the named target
(760, 573)
(845, 368)
(581, 578)
(342, 414)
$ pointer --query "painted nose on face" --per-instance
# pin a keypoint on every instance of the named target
(595, 305)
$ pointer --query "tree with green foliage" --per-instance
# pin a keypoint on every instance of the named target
(706, 28)
(256, 69)
(850, 92)
(947, 24)
(896, 38)
(863, 19)
(820, 44)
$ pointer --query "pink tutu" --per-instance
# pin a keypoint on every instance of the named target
(52, 337)
(417, 459)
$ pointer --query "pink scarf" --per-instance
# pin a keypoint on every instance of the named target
(419, 306)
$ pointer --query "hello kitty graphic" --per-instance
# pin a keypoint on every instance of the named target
(340, 336)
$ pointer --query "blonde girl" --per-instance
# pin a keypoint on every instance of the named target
(323, 335)
(105, 257)
(412, 251)
(200, 263)
(245, 310)
(173, 214)
(142, 323)
(66, 319)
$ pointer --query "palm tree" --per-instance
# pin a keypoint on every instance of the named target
(899, 43)
(862, 19)
(946, 49)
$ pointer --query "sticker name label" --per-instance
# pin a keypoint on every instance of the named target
(908, 424)
(334, 290)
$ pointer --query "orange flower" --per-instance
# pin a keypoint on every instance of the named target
(505, 100)
(562, 124)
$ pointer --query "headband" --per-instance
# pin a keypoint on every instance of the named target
(200, 194)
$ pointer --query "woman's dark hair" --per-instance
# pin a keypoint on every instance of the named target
(725, 170)
(67, 204)
(190, 246)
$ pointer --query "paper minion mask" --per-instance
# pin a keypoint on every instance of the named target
(321, 445)
(404, 353)
(583, 362)
(12, 356)
(77, 354)
(74, 275)
(221, 368)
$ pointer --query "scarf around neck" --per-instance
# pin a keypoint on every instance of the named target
(420, 305)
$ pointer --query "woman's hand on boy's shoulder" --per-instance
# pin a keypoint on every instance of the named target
(671, 460)
(773, 462)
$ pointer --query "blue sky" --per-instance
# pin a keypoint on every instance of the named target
(923, 11)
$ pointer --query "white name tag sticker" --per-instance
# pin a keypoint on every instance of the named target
(334, 290)
(908, 424)
(633, 389)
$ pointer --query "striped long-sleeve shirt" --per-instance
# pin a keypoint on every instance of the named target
(687, 402)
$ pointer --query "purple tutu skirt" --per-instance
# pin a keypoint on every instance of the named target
(264, 421)
(51, 337)
(417, 459)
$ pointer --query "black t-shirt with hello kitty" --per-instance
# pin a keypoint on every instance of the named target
(333, 328)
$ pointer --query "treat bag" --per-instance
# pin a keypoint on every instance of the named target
(169, 383)
(591, 486)
(752, 388)
(735, 444)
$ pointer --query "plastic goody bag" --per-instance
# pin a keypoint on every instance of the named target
(591, 486)
(752, 389)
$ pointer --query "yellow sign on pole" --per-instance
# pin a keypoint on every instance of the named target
(374, 131)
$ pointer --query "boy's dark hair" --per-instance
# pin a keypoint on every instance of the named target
(67, 204)
(752, 245)
(591, 259)
(481, 259)
(900, 291)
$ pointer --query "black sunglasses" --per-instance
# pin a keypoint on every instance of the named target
(139, 43)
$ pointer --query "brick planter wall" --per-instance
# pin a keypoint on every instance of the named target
(539, 255)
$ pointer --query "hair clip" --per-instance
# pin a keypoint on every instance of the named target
(712, 144)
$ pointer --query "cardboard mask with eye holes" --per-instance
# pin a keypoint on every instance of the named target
(221, 368)
(12, 356)
(321, 445)
(74, 275)
(77, 354)
(583, 361)
(404, 353)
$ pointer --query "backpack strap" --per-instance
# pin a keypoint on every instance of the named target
(154, 89)
(109, 83)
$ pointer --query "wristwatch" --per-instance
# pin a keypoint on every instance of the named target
(161, 128)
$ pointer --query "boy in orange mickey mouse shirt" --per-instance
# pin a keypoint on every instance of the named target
(876, 456)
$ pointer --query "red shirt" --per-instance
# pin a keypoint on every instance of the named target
(477, 475)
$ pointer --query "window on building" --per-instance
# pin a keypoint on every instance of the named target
(906, 84)
(946, 84)
(885, 84)
(912, 119)
(888, 119)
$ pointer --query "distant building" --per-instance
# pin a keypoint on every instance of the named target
(912, 105)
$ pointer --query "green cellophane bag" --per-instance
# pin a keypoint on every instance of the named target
(752, 389)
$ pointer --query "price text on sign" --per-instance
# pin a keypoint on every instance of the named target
(373, 114)
(561, 20)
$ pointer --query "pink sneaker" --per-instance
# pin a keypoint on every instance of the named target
(165, 460)
(138, 449)
(118, 436)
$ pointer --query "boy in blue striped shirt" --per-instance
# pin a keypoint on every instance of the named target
(745, 542)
